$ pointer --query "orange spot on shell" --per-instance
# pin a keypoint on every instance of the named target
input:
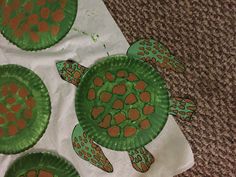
(13, 88)
(55, 30)
(14, 22)
(28, 113)
(106, 121)
(3, 109)
(12, 130)
(133, 114)
(130, 99)
(16, 108)
(43, 26)
(28, 6)
(11, 117)
(145, 124)
(145, 96)
(148, 109)
(119, 89)
(96, 111)
(34, 36)
(21, 123)
(91, 94)
(129, 131)
(132, 77)
(109, 76)
(4, 90)
(44, 12)
(11, 100)
(58, 15)
(114, 131)
(2, 121)
(98, 81)
(105, 96)
(119, 118)
(63, 3)
(30, 102)
(41, 2)
(23, 92)
(15, 4)
(141, 85)
(118, 104)
(32, 173)
(43, 173)
(121, 73)
(33, 19)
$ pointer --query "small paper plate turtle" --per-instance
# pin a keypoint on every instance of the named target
(122, 103)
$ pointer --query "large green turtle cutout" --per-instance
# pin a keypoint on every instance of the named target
(122, 103)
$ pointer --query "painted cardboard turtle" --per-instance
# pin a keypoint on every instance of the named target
(122, 103)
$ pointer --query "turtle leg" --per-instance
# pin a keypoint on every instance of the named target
(141, 159)
(71, 71)
(182, 108)
(156, 54)
(88, 150)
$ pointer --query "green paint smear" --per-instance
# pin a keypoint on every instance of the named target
(93, 36)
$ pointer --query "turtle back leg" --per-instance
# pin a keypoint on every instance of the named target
(182, 108)
(156, 54)
(141, 159)
(88, 150)
(71, 71)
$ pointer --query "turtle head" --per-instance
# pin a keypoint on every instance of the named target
(70, 71)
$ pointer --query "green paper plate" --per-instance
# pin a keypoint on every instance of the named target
(36, 24)
(122, 103)
(41, 165)
(24, 108)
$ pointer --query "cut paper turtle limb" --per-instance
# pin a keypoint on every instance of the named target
(141, 159)
(156, 54)
(88, 150)
(182, 108)
(72, 72)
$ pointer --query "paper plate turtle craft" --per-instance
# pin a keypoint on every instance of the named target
(36, 24)
(122, 103)
(25, 108)
(42, 164)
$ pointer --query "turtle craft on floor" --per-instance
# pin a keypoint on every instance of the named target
(36, 24)
(122, 103)
(42, 164)
(25, 108)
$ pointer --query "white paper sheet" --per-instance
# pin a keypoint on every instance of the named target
(171, 150)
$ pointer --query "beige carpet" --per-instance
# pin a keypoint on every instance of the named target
(202, 35)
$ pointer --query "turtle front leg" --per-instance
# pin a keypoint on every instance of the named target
(88, 150)
(183, 108)
(141, 159)
(156, 54)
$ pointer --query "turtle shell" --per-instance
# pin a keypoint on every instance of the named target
(25, 108)
(122, 103)
(36, 24)
(41, 165)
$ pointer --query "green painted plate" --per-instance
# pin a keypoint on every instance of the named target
(24, 108)
(122, 103)
(36, 24)
(41, 165)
